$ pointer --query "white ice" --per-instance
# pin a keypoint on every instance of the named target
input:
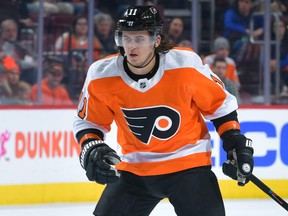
(247, 207)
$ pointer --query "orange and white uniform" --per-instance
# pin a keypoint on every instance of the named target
(160, 121)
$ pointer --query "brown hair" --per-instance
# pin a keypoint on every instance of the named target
(219, 59)
(165, 45)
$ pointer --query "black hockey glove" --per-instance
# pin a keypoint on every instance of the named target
(239, 148)
(229, 168)
(98, 159)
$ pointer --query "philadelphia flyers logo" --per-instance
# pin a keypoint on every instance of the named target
(161, 122)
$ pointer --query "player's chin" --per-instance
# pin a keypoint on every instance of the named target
(134, 61)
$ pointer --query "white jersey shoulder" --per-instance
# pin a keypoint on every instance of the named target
(106, 67)
(177, 59)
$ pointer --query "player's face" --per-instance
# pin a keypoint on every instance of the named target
(138, 46)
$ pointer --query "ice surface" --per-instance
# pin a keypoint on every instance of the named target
(247, 207)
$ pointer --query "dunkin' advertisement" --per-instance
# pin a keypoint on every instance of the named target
(37, 146)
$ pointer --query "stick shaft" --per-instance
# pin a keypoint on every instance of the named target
(268, 191)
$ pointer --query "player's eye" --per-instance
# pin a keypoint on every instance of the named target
(126, 40)
(139, 40)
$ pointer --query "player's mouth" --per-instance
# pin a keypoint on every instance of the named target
(133, 55)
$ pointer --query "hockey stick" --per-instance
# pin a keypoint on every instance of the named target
(230, 169)
(268, 191)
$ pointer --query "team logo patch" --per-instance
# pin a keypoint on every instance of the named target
(160, 122)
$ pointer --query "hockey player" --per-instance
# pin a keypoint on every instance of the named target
(157, 95)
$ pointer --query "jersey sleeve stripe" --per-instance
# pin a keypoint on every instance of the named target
(87, 137)
(228, 126)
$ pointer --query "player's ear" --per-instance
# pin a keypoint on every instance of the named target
(158, 41)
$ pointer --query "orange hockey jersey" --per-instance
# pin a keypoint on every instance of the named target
(160, 121)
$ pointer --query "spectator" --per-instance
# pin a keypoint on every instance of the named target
(9, 30)
(105, 32)
(5, 91)
(237, 31)
(14, 83)
(220, 68)
(281, 7)
(24, 92)
(222, 49)
(283, 61)
(175, 30)
(78, 40)
(53, 93)
(13, 47)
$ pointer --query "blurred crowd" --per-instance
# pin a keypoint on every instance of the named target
(65, 45)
